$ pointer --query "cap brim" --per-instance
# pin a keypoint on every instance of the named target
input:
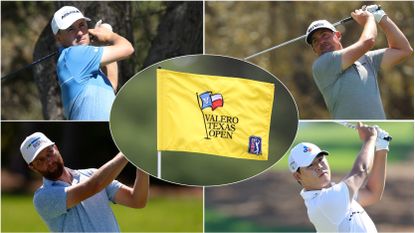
(323, 152)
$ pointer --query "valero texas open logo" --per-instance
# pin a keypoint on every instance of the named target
(222, 126)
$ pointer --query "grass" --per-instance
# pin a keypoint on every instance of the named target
(162, 214)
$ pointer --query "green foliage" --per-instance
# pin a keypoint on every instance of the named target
(240, 29)
(343, 143)
(162, 214)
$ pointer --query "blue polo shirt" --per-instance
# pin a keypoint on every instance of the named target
(91, 215)
(87, 94)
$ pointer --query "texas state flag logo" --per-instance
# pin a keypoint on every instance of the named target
(213, 101)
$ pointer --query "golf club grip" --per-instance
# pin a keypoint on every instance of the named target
(349, 125)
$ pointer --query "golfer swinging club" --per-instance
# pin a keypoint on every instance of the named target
(78, 200)
(87, 91)
(347, 77)
(339, 207)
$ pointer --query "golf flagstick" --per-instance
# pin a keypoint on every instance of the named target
(159, 164)
(353, 126)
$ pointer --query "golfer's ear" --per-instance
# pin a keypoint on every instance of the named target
(31, 167)
(339, 35)
(296, 176)
(58, 38)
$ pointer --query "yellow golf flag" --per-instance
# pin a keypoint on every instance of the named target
(215, 115)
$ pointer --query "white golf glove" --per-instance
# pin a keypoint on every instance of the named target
(381, 143)
(376, 11)
(103, 25)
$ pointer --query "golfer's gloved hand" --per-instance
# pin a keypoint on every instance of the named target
(376, 11)
(103, 25)
(381, 143)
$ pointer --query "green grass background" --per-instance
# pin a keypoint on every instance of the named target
(162, 214)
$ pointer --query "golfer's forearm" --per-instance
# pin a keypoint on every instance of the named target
(97, 182)
(377, 176)
(107, 172)
(369, 33)
(112, 74)
(364, 160)
(396, 39)
(140, 189)
(120, 49)
(122, 44)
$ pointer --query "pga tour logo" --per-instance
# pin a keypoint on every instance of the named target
(255, 145)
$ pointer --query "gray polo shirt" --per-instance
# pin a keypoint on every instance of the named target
(91, 215)
(354, 92)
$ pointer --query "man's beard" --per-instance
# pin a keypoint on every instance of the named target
(56, 173)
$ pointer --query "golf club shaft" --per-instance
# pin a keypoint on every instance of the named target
(352, 126)
(294, 40)
(8, 76)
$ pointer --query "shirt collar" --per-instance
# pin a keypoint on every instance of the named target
(313, 193)
(309, 194)
(75, 179)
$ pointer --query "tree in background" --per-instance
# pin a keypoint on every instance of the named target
(175, 28)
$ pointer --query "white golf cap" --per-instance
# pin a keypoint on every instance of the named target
(317, 25)
(65, 17)
(303, 154)
(33, 145)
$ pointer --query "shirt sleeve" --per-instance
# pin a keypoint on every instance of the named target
(376, 57)
(335, 202)
(83, 60)
(50, 202)
(327, 68)
(112, 189)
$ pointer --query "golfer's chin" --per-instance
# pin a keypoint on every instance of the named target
(84, 41)
(55, 173)
(325, 179)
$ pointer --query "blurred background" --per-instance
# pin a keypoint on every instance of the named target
(158, 30)
(271, 202)
(171, 208)
(133, 124)
(241, 29)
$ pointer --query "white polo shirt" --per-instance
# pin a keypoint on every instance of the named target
(330, 210)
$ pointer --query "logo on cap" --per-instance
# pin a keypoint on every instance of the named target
(315, 26)
(35, 143)
(307, 149)
(70, 12)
